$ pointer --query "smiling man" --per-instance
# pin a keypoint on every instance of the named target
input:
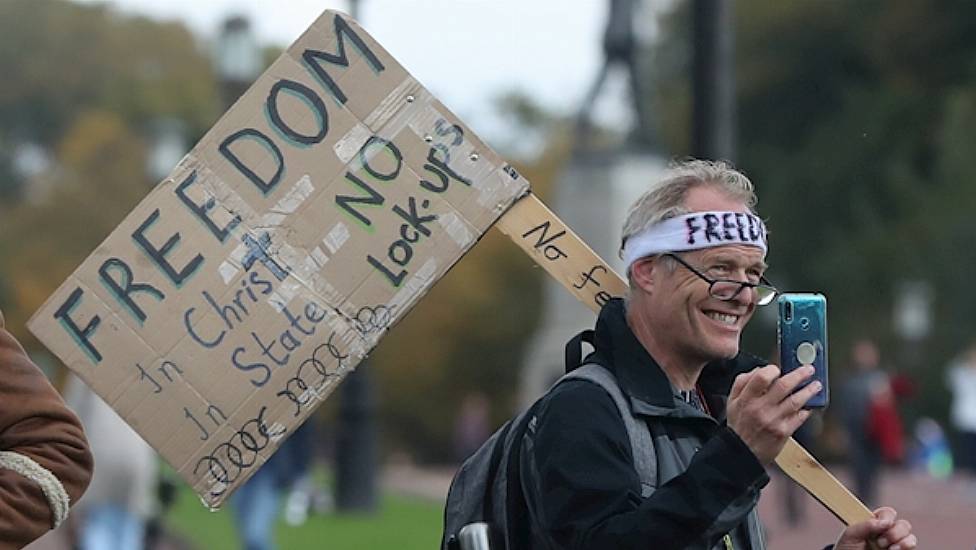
(695, 256)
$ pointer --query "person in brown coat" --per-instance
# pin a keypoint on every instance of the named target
(45, 463)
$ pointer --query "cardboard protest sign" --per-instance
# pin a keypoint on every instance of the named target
(315, 213)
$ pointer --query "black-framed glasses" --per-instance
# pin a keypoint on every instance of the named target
(726, 289)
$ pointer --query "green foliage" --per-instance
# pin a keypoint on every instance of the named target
(401, 522)
(855, 121)
(83, 84)
(60, 59)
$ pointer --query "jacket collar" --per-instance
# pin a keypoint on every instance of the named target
(641, 378)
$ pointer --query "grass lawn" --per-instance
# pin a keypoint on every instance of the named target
(401, 523)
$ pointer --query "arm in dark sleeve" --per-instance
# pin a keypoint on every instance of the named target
(584, 493)
(45, 464)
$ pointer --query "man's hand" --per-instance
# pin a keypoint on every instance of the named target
(764, 411)
(884, 530)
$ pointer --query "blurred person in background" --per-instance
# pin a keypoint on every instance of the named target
(256, 504)
(114, 512)
(45, 462)
(792, 496)
(473, 425)
(871, 421)
(930, 454)
(305, 494)
(961, 377)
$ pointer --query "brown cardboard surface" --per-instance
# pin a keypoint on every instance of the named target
(311, 218)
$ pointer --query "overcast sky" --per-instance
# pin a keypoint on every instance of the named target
(466, 52)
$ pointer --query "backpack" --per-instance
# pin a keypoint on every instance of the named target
(487, 487)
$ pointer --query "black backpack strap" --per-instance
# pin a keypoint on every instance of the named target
(516, 510)
(641, 441)
(574, 349)
(496, 460)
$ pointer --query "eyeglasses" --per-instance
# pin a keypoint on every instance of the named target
(726, 290)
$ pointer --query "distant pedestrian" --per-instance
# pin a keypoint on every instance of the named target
(961, 377)
(304, 492)
(120, 499)
(792, 496)
(473, 425)
(871, 420)
(931, 455)
(257, 503)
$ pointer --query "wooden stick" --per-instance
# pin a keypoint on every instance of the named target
(800, 465)
(558, 250)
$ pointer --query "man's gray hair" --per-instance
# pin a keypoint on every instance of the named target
(665, 199)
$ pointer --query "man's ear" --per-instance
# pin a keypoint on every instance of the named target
(642, 274)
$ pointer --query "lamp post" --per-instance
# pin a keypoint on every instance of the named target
(713, 117)
(356, 448)
(237, 58)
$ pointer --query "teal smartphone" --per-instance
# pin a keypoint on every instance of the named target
(802, 337)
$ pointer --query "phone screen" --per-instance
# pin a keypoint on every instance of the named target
(802, 336)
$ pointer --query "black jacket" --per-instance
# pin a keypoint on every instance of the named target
(580, 485)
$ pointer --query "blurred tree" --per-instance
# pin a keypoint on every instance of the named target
(855, 123)
(81, 86)
(100, 171)
(60, 58)
(469, 334)
(84, 83)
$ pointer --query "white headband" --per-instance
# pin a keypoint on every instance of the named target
(694, 231)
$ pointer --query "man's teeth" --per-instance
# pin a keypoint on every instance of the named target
(723, 318)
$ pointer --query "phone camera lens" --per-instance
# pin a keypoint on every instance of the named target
(788, 312)
(804, 323)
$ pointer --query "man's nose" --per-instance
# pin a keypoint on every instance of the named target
(746, 296)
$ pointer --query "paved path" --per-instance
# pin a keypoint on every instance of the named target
(942, 513)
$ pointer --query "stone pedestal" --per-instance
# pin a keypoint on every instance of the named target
(592, 197)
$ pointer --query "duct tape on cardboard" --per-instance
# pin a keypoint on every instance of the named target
(236, 296)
